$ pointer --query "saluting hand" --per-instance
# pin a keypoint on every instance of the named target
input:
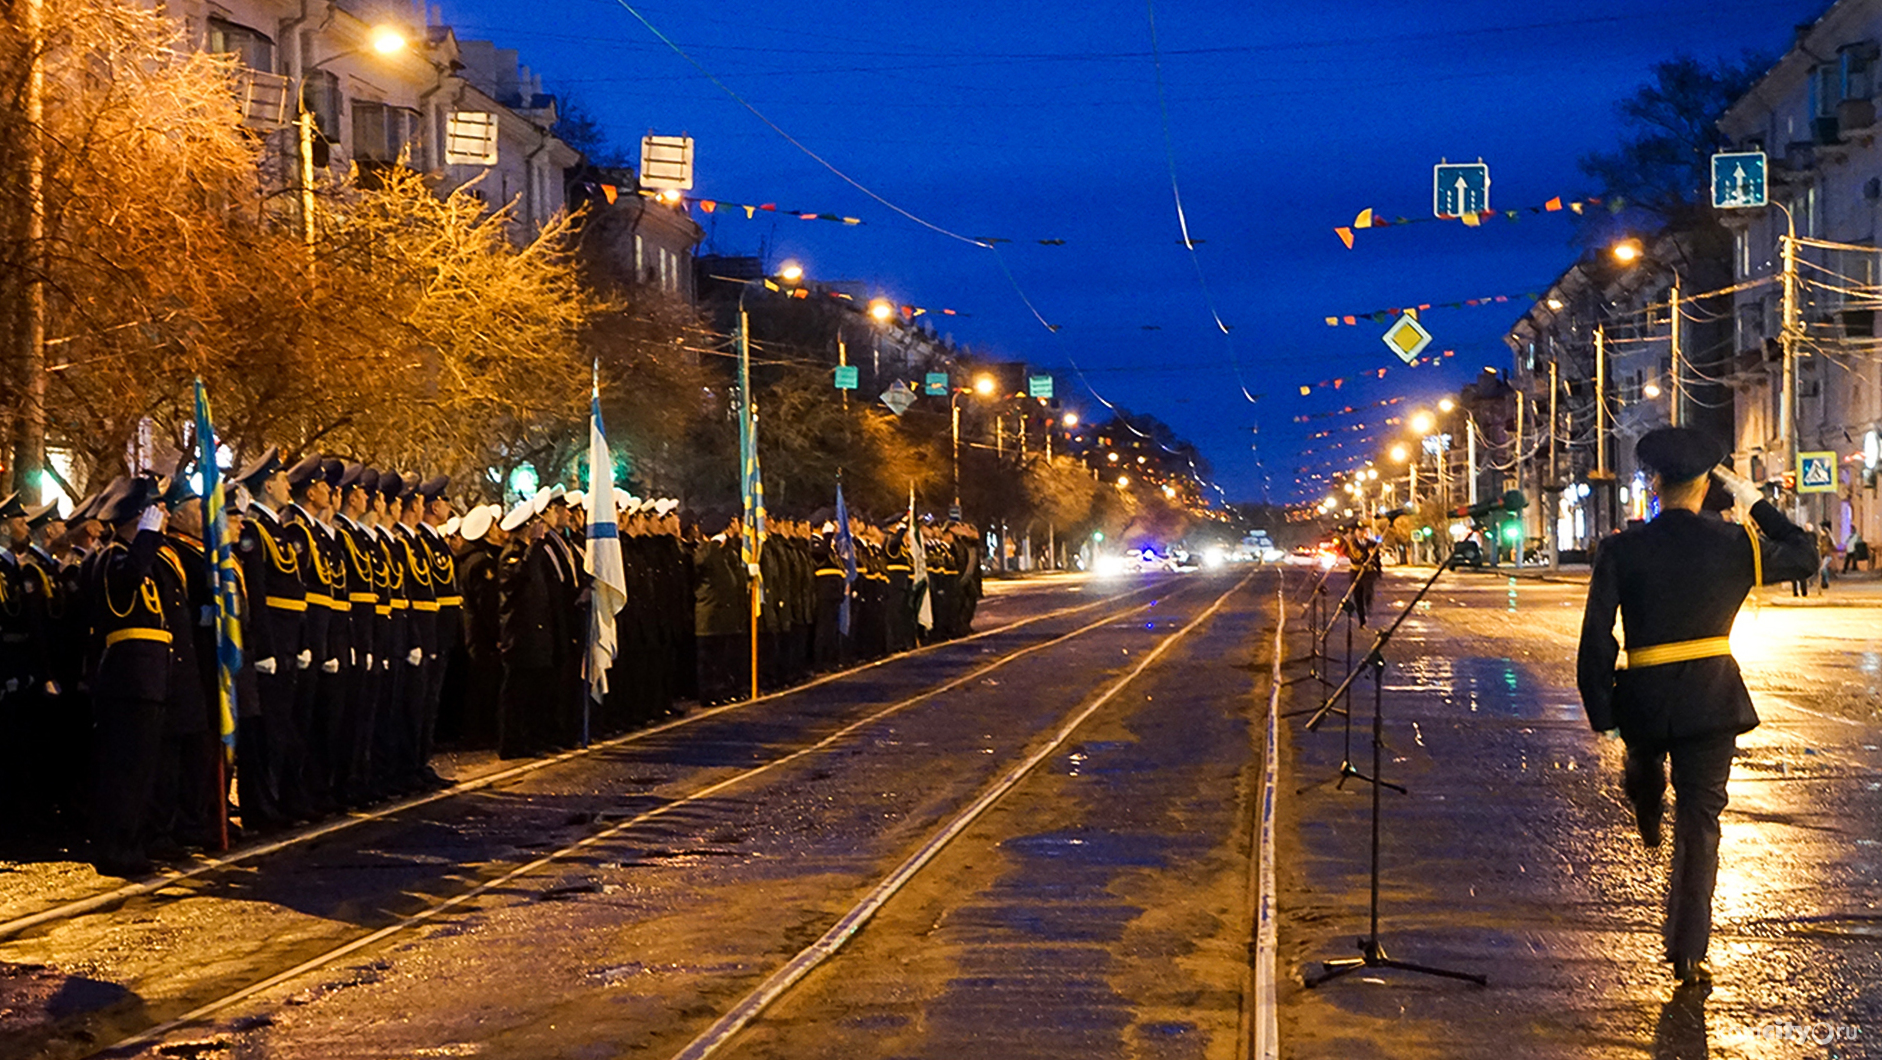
(1742, 489)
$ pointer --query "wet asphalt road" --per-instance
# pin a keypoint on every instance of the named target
(1514, 856)
(1122, 858)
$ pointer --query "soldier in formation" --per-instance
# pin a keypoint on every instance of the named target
(373, 618)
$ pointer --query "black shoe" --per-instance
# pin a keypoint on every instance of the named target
(1649, 828)
(1692, 973)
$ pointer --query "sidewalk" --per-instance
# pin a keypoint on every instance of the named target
(1855, 589)
(1512, 855)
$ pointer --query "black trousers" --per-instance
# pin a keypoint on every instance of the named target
(525, 710)
(724, 667)
(282, 751)
(127, 748)
(1700, 770)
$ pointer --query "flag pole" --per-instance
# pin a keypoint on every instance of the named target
(749, 421)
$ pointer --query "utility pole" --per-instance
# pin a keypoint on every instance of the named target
(1787, 342)
(29, 442)
(1551, 494)
(1679, 390)
(1470, 438)
(1600, 402)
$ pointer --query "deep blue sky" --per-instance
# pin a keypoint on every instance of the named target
(1039, 120)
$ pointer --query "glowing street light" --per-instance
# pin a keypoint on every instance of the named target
(791, 272)
(1652, 390)
(984, 385)
(881, 310)
(1399, 454)
(1446, 405)
(1112, 457)
(1422, 422)
(1123, 481)
(387, 40)
(1071, 419)
(1627, 251)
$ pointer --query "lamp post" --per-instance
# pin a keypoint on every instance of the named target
(386, 41)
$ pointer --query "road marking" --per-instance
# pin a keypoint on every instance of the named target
(728, 1025)
(1267, 1037)
(81, 906)
(210, 1008)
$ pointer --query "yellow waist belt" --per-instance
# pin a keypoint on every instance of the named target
(117, 636)
(1678, 651)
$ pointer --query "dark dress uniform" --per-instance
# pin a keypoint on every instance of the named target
(897, 613)
(353, 767)
(29, 596)
(532, 632)
(314, 681)
(827, 568)
(268, 748)
(418, 704)
(1678, 582)
(721, 620)
(482, 617)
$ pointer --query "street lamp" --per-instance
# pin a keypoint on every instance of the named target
(792, 272)
(385, 40)
(983, 385)
(1627, 251)
(1446, 404)
(1071, 420)
(880, 311)
(1421, 422)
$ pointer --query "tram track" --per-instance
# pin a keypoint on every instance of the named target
(625, 824)
(117, 896)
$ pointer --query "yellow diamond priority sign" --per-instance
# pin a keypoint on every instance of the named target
(1407, 338)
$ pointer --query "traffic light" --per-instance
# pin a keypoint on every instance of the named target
(1790, 480)
(1513, 531)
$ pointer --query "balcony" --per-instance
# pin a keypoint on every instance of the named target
(267, 99)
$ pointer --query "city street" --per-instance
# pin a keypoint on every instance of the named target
(1514, 854)
(620, 902)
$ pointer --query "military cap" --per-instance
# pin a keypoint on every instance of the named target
(433, 488)
(1678, 454)
(333, 471)
(450, 526)
(129, 497)
(368, 480)
(86, 508)
(408, 486)
(350, 475)
(540, 502)
(390, 484)
(40, 516)
(180, 492)
(576, 499)
(664, 505)
(260, 468)
(523, 512)
(304, 473)
(557, 494)
(476, 523)
(10, 507)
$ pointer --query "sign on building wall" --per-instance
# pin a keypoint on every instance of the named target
(470, 138)
(666, 162)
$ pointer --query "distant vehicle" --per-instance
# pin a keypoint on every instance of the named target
(1468, 554)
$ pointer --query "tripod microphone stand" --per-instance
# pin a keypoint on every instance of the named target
(1371, 947)
(1316, 597)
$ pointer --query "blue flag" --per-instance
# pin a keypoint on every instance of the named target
(219, 552)
(845, 548)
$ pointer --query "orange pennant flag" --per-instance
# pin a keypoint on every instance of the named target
(1351, 321)
(1346, 236)
(609, 192)
(708, 205)
(1553, 205)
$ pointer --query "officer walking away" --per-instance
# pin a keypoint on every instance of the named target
(1678, 582)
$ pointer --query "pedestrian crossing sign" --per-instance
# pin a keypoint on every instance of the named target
(1816, 472)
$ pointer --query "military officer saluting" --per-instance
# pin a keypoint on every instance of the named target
(1678, 582)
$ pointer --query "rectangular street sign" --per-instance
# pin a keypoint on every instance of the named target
(846, 377)
(1738, 180)
(1458, 188)
(1816, 472)
(935, 384)
(666, 162)
(1039, 386)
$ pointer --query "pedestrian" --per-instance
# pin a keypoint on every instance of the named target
(1856, 552)
(1826, 553)
(1678, 582)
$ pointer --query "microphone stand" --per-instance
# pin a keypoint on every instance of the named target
(1371, 948)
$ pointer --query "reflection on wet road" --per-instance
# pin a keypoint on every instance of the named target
(1514, 853)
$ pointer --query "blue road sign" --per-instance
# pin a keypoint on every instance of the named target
(1738, 180)
(1039, 386)
(1816, 472)
(935, 384)
(1458, 188)
(846, 377)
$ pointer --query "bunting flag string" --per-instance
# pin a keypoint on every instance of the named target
(612, 192)
(1370, 218)
(1348, 410)
(908, 312)
(1350, 428)
(1382, 316)
(1374, 373)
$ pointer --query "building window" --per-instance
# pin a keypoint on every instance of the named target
(1858, 70)
(320, 94)
(254, 50)
(382, 133)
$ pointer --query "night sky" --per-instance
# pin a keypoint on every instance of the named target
(1039, 120)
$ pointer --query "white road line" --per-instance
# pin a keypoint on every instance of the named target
(194, 1015)
(81, 906)
(1266, 1040)
(728, 1025)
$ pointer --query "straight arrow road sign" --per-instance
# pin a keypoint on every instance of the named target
(1459, 188)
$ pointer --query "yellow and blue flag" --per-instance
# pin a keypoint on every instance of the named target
(219, 551)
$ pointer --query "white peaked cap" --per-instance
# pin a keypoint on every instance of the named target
(540, 502)
(661, 507)
(476, 524)
(524, 511)
(450, 526)
(576, 499)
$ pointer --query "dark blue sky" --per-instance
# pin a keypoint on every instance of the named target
(1039, 120)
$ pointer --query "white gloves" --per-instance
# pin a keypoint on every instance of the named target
(331, 666)
(265, 666)
(152, 519)
(304, 659)
(415, 656)
(369, 660)
(1743, 490)
(352, 657)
